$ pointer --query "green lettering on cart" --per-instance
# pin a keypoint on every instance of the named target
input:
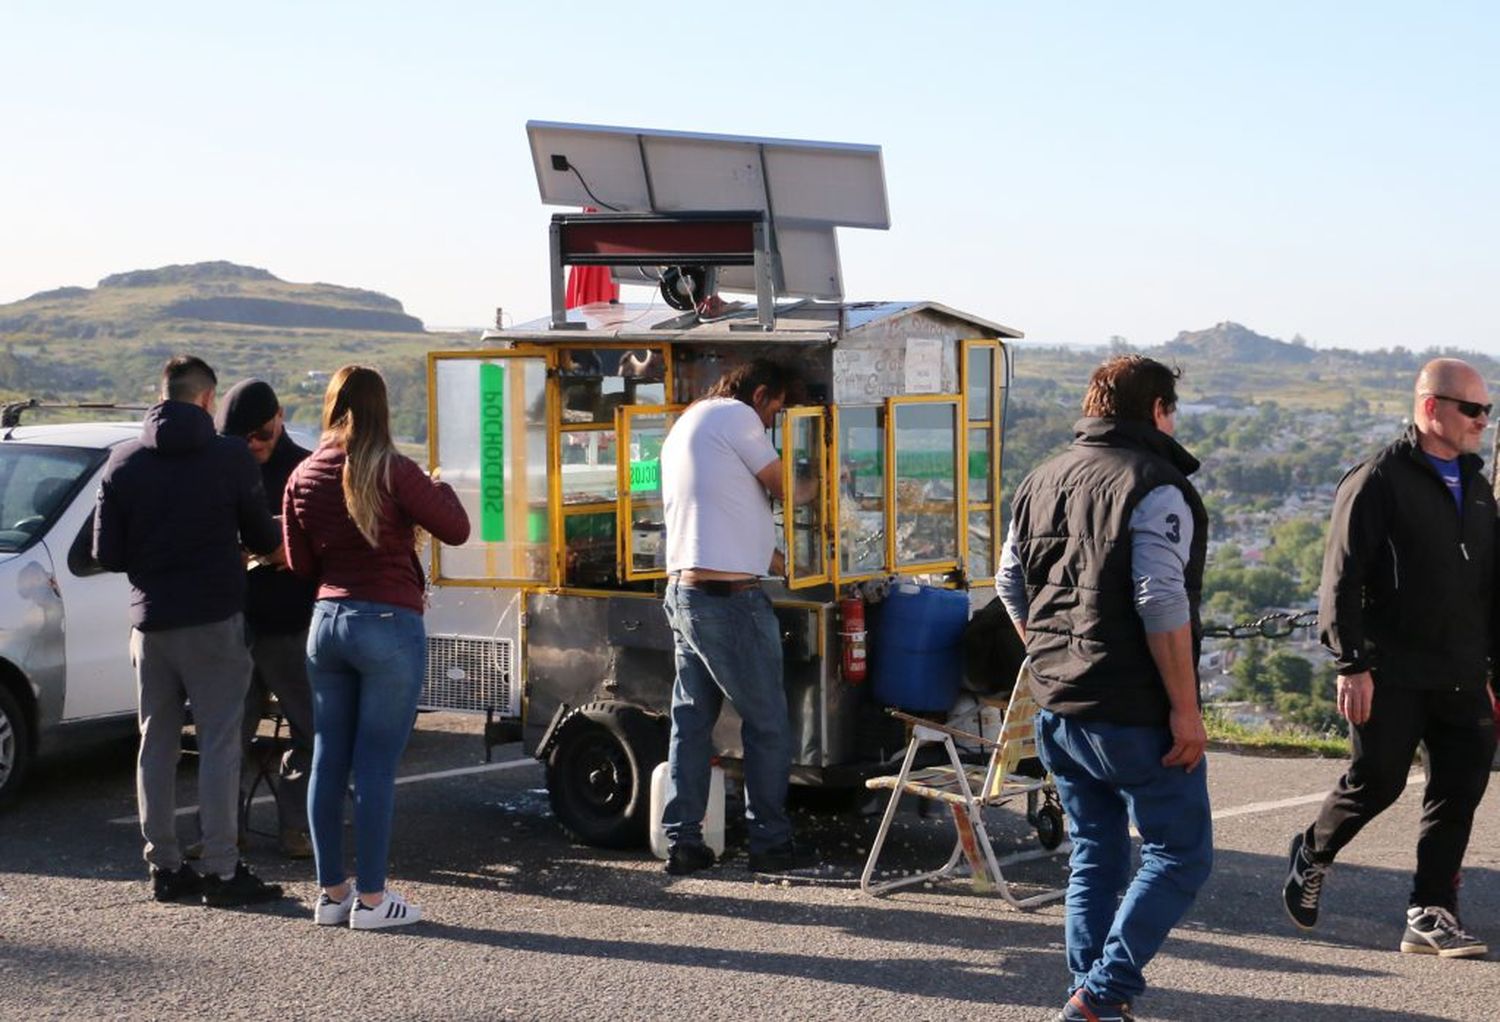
(492, 453)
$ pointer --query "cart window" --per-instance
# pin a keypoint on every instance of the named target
(589, 557)
(803, 461)
(861, 492)
(642, 518)
(984, 384)
(593, 382)
(490, 443)
(588, 466)
(926, 482)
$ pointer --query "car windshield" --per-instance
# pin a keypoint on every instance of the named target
(34, 486)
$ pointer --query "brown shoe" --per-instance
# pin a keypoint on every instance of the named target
(296, 844)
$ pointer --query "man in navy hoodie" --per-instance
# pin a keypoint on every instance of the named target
(174, 508)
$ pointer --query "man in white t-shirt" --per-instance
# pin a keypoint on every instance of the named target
(719, 473)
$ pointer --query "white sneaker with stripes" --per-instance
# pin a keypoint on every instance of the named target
(393, 910)
(333, 913)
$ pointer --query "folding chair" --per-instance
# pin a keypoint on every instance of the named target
(967, 790)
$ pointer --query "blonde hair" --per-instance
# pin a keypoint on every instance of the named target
(356, 417)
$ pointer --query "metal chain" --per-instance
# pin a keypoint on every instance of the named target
(1277, 625)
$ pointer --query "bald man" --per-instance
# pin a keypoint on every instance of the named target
(1407, 610)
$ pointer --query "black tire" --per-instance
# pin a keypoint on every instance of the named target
(599, 774)
(1049, 826)
(16, 747)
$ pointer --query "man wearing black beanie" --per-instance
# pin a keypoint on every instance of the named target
(278, 608)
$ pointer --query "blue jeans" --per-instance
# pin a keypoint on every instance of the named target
(365, 664)
(1108, 776)
(727, 646)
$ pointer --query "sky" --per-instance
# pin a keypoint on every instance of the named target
(1077, 171)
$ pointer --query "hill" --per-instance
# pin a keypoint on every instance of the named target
(1239, 344)
(108, 342)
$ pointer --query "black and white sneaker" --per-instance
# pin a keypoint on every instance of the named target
(1304, 884)
(1437, 931)
(393, 910)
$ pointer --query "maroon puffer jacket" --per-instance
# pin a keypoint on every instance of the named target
(322, 542)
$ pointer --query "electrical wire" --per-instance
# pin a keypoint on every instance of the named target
(597, 201)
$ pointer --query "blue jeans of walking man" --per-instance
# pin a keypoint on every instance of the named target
(1108, 776)
(727, 646)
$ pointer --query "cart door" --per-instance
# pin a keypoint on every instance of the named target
(489, 440)
(641, 529)
(804, 468)
(858, 475)
(925, 489)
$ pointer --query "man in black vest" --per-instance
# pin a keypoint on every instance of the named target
(1407, 610)
(1101, 574)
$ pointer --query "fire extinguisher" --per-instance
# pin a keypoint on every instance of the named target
(852, 613)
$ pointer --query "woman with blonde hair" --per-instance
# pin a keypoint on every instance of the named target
(351, 511)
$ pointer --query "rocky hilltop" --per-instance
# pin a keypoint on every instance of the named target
(139, 302)
(1239, 345)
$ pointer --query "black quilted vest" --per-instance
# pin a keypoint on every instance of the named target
(1087, 645)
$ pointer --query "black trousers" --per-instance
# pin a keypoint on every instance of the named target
(1458, 729)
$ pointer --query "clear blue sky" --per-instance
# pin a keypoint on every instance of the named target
(1075, 170)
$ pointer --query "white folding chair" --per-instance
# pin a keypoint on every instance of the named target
(968, 790)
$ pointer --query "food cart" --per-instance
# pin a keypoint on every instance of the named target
(550, 619)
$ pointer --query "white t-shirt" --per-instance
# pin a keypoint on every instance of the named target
(718, 515)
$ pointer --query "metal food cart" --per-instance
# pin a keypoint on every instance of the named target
(550, 620)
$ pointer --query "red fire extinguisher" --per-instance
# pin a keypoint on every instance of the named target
(852, 613)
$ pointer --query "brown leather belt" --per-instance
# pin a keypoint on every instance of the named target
(718, 586)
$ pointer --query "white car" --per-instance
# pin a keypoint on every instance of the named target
(64, 621)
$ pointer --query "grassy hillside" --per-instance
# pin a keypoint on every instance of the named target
(109, 342)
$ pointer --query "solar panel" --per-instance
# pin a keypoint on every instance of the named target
(808, 188)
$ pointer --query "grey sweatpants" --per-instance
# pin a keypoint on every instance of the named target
(209, 666)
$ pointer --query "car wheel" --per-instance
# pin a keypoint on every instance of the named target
(599, 774)
(15, 746)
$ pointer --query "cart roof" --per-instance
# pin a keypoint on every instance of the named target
(799, 323)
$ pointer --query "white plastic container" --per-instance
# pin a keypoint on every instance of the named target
(713, 818)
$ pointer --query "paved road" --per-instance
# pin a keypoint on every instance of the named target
(525, 925)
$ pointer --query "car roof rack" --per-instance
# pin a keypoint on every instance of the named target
(10, 414)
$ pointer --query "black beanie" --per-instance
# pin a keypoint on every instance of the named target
(248, 405)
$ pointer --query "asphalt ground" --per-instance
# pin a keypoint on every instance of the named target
(523, 924)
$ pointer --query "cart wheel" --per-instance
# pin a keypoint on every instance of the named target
(1049, 826)
(599, 774)
(15, 746)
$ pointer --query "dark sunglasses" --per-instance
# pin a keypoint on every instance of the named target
(261, 436)
(1473, 409)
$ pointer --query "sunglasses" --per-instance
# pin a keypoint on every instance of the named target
(1473, 409)
(261, 436)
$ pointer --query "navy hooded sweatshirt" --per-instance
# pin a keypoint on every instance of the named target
(174, 508)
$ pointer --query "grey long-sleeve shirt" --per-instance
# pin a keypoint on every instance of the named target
(1161, 533)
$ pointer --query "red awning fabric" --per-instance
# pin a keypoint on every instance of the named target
(589, 284)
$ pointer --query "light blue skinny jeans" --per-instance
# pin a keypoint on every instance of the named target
(727, 646)
(365, 664)
(1108, 776)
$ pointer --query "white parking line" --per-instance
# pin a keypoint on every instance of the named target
(435, 775)
(1287, 803)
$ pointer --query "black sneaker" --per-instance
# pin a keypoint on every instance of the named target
(1304, 884)
(244, 888)
(179, 884)
(1082, 1007)
(1437, 931)
(784, 858)
(689, 858)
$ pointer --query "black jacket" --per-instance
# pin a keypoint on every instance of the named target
(1089, 657)
(1409, 581)
(278, 602)
(173, 509)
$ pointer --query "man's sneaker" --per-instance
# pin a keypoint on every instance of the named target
(244, 888)
(1304, 884)
(392, 911)
(333, 913)
(688, 858)
(1082, 1007)
(1437, 931)
(179, 884)
(784, 858)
